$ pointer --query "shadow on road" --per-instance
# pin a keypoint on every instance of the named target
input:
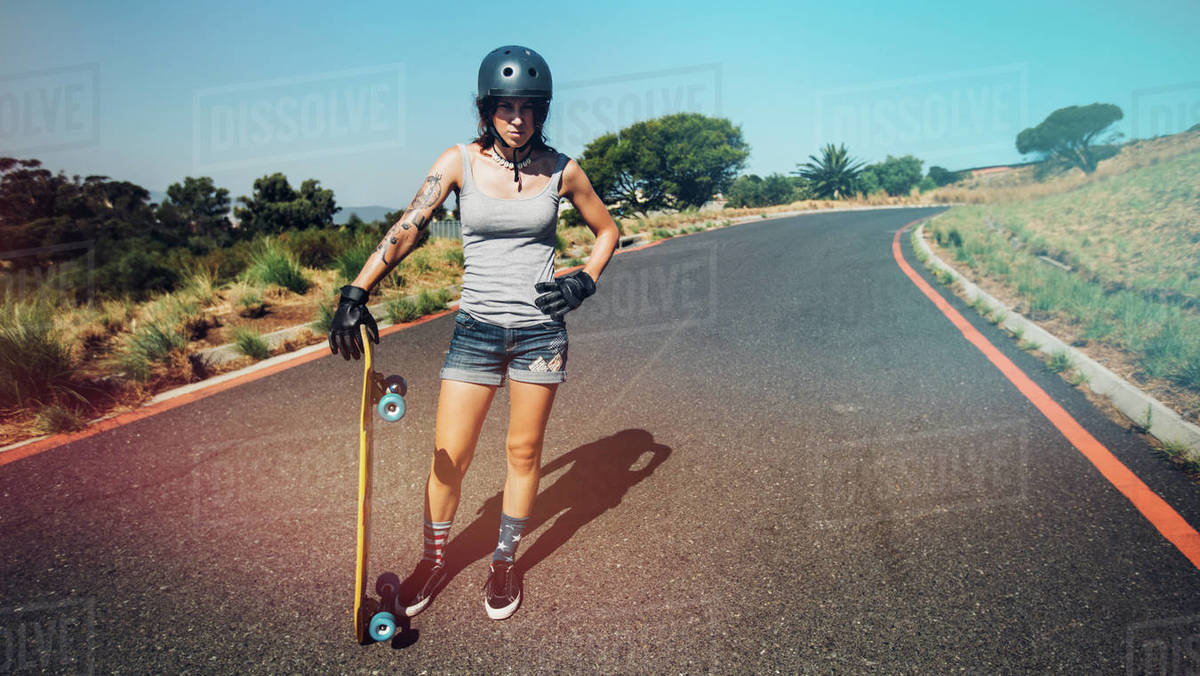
(597, 477)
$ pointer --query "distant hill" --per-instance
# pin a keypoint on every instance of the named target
(372, 213)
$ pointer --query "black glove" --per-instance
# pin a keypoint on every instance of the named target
(564, 293)
(343, 330)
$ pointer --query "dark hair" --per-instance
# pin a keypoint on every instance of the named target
(486, 107)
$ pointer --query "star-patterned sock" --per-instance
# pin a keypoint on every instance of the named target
(510, 537)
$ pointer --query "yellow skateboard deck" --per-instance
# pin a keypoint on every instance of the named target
(383, 397)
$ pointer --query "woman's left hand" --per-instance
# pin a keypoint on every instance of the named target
(564, 293)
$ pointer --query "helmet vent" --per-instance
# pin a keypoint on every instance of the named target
(533, 72)
(508, 71)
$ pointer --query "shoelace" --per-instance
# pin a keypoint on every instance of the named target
(501, 574)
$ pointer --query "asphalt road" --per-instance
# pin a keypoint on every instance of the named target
(772, 453)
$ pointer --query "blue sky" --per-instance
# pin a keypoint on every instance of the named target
(364, 99)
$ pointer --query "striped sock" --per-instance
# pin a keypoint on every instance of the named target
(510, 537)
(435, 541)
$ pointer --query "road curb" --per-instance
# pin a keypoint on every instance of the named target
(1159, 420)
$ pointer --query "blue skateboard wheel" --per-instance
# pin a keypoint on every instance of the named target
(391, 407)
(383, 626)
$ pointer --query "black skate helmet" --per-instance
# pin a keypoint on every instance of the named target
(514, 70)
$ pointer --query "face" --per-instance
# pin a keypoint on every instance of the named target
(515, 120)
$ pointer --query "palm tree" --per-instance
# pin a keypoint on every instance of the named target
(833, 175)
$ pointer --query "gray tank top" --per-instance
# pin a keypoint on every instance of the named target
(508, 246)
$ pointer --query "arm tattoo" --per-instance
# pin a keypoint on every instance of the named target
(426, 196)
(428, 193)
(410, 219)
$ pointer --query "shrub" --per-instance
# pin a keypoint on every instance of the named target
(271, 264)
(570, 218)
(137, 272)
(455, 256)
(157, 341)
(59, 418)
(250, 343)
(201, 285)
(35, 362)
(430, 302)
(315, 247)
(418, 261)
(1059, 362)
(248, 300)
(351, 261)
(400, 310)
(1188, 375)
(153, 341)
(324, 319)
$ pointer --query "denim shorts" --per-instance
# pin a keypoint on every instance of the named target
(485, 353)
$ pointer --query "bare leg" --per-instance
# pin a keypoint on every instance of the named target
(529, 409)
(461, 410)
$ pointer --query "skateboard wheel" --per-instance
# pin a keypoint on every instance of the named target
(383, 626)
(391, 407)
(395, 385)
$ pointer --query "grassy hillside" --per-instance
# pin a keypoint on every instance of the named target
(1109, 261)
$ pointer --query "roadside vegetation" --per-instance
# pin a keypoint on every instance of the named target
(1108, 260)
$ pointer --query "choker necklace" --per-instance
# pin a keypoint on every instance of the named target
(507, 164)
(510, 165)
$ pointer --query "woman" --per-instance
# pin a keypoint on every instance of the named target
(510, 320)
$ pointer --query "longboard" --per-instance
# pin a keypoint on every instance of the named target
(373, 618)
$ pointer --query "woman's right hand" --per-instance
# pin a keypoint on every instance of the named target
(344, 335)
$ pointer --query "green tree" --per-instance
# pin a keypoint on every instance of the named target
(275, 207)
(898, 175)
(675, 161)
(41, 209)
(27, 192)
(1068, 134)
(801, 189)
(867, 182)
(745, 191)
(833, 175)
(942, 176)
(752, 190)
(778, 189)
(196, 207)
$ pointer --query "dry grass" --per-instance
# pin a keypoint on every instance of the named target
(1139, 230)
(112, 339)
(1021, 186)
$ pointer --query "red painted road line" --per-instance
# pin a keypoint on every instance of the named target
(1156, 510)
(54, 441)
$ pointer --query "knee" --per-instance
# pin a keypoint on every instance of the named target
(524, 455)
(447, 470)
